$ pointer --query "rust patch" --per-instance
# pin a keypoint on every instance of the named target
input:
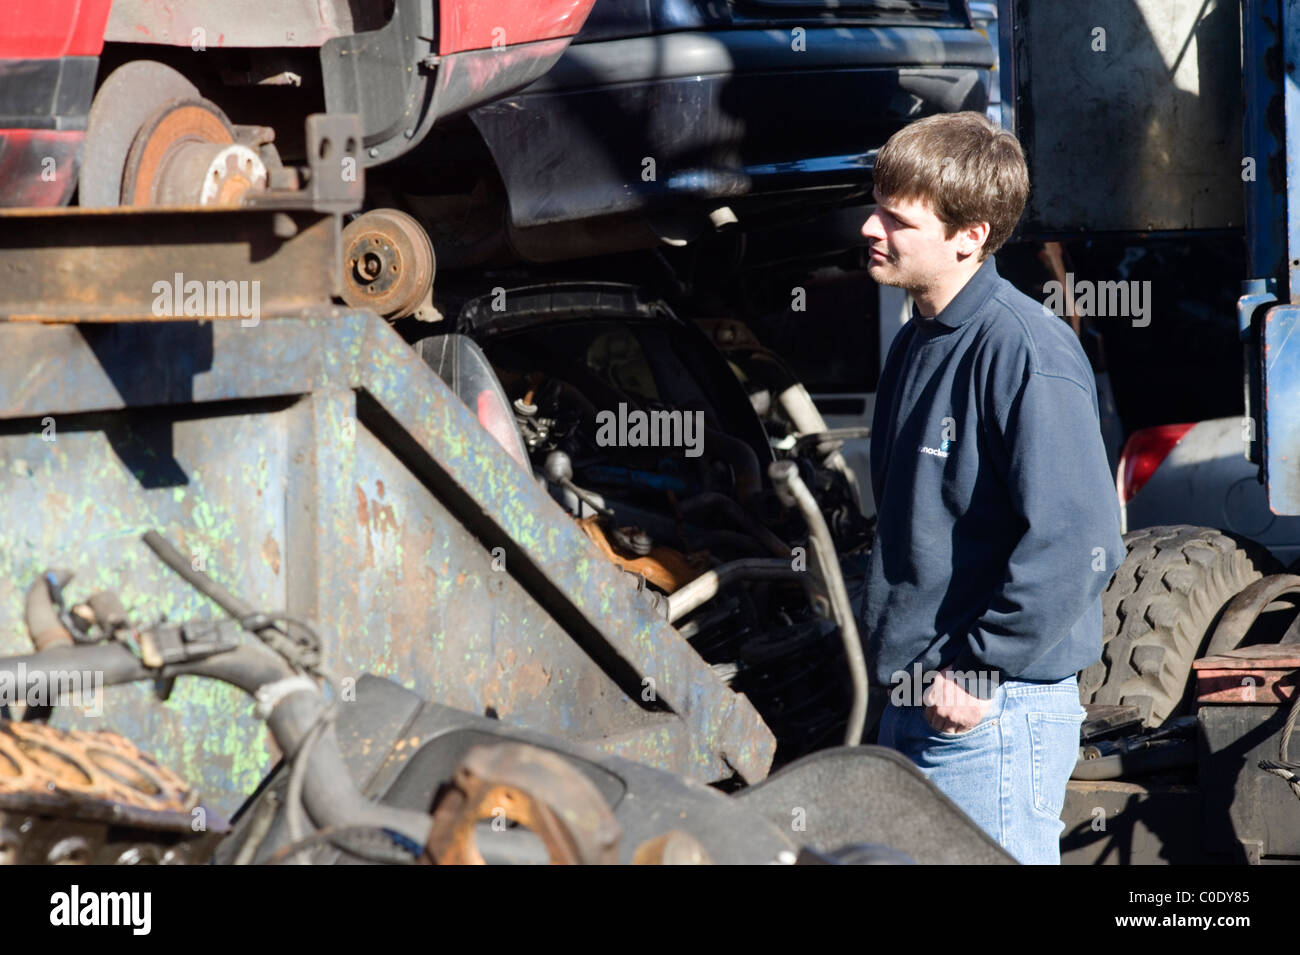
(530, 680)
(363, 518)
(363, 510)
(271, 553)
(385, 520)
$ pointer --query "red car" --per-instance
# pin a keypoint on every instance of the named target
(108, 98)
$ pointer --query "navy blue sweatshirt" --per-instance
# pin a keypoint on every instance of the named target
(998, 522)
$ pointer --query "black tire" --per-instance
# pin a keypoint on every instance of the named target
(1159, 611)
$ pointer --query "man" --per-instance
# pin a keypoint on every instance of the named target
(998, 522)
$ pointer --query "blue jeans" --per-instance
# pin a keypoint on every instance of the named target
(1008, 773)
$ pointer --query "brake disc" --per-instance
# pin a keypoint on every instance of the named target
(153, 140)
(388, 263)
(123, 104)
(185, 154)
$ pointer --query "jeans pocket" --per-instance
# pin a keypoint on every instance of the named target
(976, 730)
(988, 721)
(1054, 746)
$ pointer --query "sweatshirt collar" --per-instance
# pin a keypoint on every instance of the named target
(968, 300)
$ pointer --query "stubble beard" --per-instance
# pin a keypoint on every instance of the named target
(888, 273)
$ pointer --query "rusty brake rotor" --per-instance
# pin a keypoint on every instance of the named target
(388, 264)
(185, 154)
(153, 140)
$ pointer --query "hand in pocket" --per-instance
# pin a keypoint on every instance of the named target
(949, 708)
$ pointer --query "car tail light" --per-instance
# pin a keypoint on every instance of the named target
(460, 362)
(499, 422)
(1142, 454)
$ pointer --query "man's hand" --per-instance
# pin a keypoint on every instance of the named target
(949, 708)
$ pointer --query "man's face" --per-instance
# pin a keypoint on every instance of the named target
(908, 246)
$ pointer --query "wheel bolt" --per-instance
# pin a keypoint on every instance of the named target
(369, 266)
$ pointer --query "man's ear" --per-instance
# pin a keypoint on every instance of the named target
(973, 238)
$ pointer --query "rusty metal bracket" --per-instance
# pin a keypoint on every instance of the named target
(276, 255)
(335, 175)
(1263, 674)
(531, 786)
(103, 265)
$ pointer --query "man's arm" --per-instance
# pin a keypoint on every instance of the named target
(1055, 467)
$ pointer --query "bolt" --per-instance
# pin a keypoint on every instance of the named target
(369, 266)
(558, 467)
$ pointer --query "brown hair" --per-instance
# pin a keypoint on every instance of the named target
(966, 168)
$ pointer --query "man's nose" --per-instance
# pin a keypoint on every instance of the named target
(871, 228)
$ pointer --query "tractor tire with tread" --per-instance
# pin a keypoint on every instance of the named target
(1159, 611)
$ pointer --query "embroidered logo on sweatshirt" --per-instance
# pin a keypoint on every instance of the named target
(947, 436)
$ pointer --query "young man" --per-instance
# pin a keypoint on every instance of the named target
(998, 519)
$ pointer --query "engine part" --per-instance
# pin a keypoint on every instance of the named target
(800, 409)
(740, 456)
(662, 566)
(388, 265)
(711, 502)
(292, 705)
(707, 586)
(793, 492)
(558, 469)
(57, 766)
(68, 796)
(41, 615)
(531, 786)
(1172, 754)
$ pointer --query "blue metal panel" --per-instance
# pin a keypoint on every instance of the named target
(1291, 105)
(318, 465)
(1263, 142)
(1281, 375)
(1256, 294)
(1271, 235)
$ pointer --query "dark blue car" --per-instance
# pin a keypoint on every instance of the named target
(668, 119)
